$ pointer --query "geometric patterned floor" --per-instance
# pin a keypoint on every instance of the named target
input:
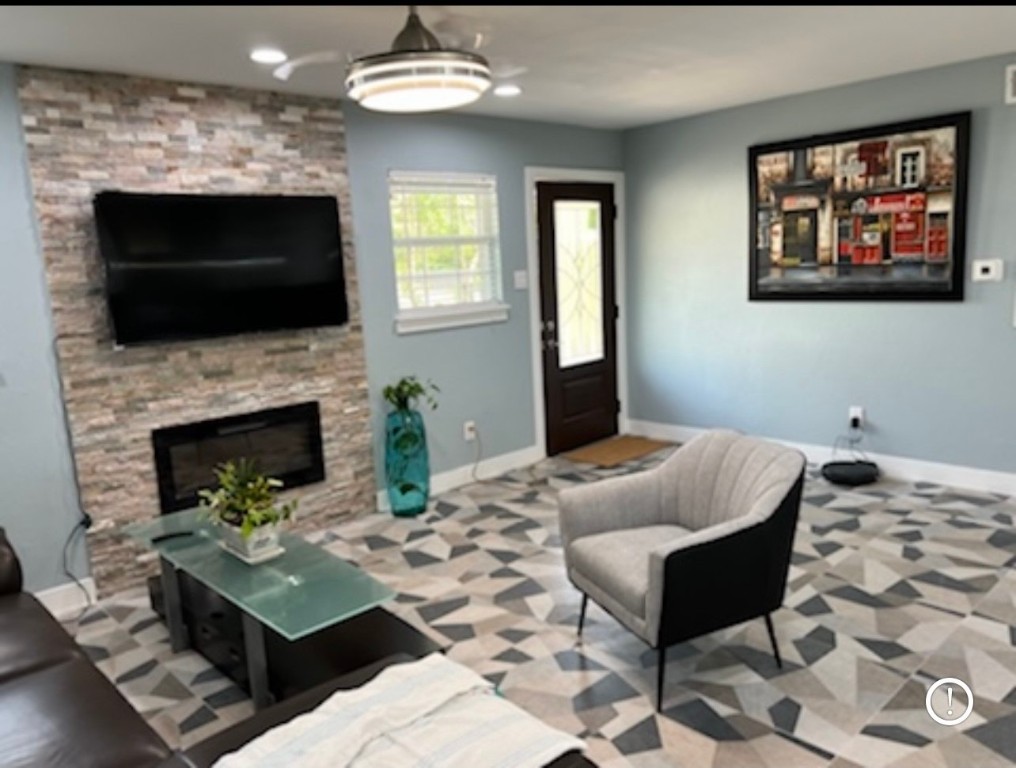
(892, 586)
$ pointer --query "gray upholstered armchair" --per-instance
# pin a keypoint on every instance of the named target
(699, 543)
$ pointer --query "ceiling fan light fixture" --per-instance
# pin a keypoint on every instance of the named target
(417, 75)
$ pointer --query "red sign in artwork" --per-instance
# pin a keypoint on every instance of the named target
(908, 235)
(896, 203)
(873, 155)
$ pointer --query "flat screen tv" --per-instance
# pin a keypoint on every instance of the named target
(192, 266)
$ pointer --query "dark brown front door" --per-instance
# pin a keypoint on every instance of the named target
(578, 312)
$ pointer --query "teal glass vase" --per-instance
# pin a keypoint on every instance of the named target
(407, 465)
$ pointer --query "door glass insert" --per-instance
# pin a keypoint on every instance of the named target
(579, 274)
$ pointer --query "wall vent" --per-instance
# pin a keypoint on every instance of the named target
(1010, 84)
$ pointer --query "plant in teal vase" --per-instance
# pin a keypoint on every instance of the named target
(407, 465)
(407, 390)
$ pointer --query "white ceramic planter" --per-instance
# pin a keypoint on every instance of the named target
(261, 545)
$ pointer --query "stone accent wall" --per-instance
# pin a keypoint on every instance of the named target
(90, 132)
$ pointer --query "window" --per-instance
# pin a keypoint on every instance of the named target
(445, 240)
(910, 167)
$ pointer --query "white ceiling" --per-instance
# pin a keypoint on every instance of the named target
(602, 66)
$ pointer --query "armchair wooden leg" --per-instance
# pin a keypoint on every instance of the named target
(582, 612)
(661, 665)
(772, 639)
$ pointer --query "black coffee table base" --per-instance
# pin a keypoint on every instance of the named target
(265, 664)
(341, 649)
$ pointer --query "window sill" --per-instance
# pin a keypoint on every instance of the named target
(442, 318)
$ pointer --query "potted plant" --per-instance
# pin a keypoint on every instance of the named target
(407, 465)
(244, 505)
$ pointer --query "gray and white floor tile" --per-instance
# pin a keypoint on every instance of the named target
(891, 587)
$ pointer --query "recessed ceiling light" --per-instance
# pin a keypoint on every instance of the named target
(268, 56)
(507, 90)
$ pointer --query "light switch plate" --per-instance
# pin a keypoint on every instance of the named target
(987, 270)
(521, 279)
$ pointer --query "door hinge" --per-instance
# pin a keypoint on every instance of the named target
(617, 312)
(617, 406)
(613, 210)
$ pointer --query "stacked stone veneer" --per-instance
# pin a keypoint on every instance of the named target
(89, 132)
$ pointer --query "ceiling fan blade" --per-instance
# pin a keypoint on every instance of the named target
(285, 71)
(462, 32)
(507, 71)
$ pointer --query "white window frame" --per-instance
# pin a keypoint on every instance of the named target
(919, 152)
(422, 319)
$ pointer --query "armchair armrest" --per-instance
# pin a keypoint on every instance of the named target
(630, 501)
(722, 575)
(10, 567)
(707, 580)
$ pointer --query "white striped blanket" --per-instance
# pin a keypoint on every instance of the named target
(431, 713)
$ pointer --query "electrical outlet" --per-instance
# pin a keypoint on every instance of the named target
(987, 269)
(469, 431)
(855, 416)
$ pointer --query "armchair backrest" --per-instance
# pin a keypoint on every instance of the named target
(722, 475)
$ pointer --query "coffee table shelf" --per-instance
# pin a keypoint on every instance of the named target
(301, 592)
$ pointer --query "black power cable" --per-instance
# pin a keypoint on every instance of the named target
(85, 521)
(860, 470)
(82, 525)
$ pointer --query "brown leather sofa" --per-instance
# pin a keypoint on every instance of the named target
(56, 708)
(58, 711)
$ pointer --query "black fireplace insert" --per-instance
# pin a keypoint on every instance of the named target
(285, 443)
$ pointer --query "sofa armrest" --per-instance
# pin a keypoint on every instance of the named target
(177, 760)
(207, 752)
(630, 501)
(10, 567)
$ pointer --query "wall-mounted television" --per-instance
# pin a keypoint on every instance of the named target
(191, 266)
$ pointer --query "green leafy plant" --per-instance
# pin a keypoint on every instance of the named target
(245, 498)
(404, 393)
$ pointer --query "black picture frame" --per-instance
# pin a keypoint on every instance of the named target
(874, 213)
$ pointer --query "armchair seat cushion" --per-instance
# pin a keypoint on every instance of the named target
(617, 562)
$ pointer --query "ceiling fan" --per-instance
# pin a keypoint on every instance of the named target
(421, 73)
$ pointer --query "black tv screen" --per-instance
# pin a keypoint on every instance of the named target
(191, 266)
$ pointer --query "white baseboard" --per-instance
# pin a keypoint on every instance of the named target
(66, 601)
(492, 467)
(897, 467)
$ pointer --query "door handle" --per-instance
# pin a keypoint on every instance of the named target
(549, 337)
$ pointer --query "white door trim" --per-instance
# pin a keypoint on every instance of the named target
(534, 174)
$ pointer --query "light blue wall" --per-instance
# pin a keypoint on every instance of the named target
(484, 372)
(38, 503)
(936, 379)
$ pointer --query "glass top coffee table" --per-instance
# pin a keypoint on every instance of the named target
(302, 591)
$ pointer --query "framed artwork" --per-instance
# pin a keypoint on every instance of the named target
(870, 214)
